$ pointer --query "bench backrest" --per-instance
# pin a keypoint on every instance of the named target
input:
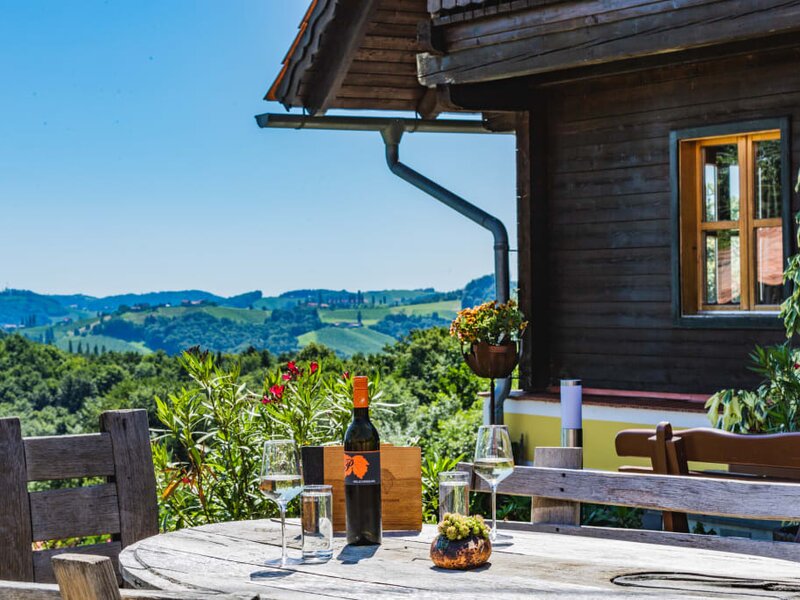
(87, 577)
(750, 499)
(124, 504)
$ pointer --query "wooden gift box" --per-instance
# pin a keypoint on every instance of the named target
(401, 483)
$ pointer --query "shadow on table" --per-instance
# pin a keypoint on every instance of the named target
(271, 574)
(483, 567)
(351, 555)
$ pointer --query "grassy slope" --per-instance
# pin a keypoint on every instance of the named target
(446, 309)
(241, 315)
(347, 341)
(111, 344)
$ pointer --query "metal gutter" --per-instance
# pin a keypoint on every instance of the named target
(392, 130)
(379, 124)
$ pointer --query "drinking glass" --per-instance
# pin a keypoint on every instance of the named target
(493, 462)
(317, 520)
(281, 481)
(453, 493)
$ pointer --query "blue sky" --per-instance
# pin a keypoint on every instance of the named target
(130, 162)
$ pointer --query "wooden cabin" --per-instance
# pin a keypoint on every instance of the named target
(657, 146)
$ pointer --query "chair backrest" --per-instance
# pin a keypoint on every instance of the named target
(779, 451)
(772, 456)
(751, 499)
(124, 505)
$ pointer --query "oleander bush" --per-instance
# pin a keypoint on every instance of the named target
(208, 453)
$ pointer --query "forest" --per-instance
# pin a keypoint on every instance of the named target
(423, 376)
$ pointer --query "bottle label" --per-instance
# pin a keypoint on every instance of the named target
(362, 468)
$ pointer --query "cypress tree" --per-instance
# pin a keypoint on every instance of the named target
(80, 348)
(69, 346)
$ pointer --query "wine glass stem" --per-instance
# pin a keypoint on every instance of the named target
(283, 534)
(493, 534)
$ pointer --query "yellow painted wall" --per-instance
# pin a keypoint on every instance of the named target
(598, 440)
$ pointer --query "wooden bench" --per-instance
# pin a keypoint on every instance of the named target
(87, 577)
(556, 492)
(773, 457)
(124, 505)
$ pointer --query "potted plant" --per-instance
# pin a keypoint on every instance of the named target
(462, 543)
(490, 332)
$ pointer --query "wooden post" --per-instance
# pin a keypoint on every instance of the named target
(85, 577)
(16, 555)
(532, 242)
(134, 475)
(547, 510)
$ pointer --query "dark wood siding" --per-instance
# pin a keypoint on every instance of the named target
(609, 220)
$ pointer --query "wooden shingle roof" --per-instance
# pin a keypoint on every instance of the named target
(353, 54)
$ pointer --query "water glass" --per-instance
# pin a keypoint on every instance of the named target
(453, 493)
(317, 521)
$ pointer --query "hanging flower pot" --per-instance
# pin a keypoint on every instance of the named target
(494, 362)
(489, 335)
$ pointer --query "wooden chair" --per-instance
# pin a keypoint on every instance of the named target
(556, 492)
(87, 577)
(774, 457)
(123, 506)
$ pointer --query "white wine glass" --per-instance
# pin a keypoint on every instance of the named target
(494, 461)
(281, 481)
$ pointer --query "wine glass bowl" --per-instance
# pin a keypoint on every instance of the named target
(281, 481)
(494, 461)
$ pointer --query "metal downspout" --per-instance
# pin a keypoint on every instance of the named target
(391, 138)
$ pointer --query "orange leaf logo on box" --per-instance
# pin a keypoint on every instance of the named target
(355, 465)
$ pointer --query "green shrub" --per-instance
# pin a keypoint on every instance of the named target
(208, 455)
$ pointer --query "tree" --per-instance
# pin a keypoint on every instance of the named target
(69, 346)
(358, 318)
(80, 348)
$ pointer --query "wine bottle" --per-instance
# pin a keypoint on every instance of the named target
(362, 472)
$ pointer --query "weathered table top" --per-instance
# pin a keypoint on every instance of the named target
(224, 557)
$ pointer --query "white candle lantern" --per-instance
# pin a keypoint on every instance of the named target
(571, 413)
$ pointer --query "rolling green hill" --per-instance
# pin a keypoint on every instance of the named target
(173, 321)
(348, 340)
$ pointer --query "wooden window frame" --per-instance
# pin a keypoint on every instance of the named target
(685, 171)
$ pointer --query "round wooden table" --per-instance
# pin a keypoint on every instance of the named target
(229, 558)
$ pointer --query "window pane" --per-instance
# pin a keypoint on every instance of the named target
(767, 179)
(769, 265)
(722, 280)
(721, 183)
